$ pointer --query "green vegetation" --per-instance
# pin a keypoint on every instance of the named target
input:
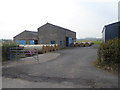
(95, 42)
(109, 55)
(5, 49)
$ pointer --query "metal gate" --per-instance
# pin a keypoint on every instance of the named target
(19, 52)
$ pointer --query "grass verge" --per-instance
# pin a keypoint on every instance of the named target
(95, 42)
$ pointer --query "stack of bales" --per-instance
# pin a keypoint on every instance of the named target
(87, 44)
(91, 43)
(76, 44)
(82, 44)
(57, 46)
(42, 48)
(53, 47)
(72, 45)
(49, 47)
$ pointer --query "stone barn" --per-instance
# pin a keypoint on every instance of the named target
(52, 34)
(26, 37)
(47, 34)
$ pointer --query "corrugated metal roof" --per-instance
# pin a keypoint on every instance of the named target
(113, 24)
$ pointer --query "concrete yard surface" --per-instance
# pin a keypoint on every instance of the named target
(32, 60)
(72, 68)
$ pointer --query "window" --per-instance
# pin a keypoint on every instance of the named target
(60, 42)
(31, 42)
(52, 42)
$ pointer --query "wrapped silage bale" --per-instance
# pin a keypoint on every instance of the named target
(72, 45)
(40, 48)
(87, 44)
(90, 43)
(50, 47)
(76, 45)
(57, 47)
(54, 47)
(82, 44)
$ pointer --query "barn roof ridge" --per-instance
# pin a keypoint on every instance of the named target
(111, 24)
(57, 26)
(26, 31)
(60, 27)
(31, 31)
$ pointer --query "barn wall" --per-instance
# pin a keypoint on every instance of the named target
(111, 32)
(47, 33)
(61, 37)
(25, 36)
(70, 34)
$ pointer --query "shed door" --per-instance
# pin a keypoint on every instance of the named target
(70, 41)
(21, 42)
(31, 42)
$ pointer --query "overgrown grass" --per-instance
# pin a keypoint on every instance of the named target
(6, 49)
(95, 42)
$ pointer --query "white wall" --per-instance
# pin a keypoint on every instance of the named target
(119, 11)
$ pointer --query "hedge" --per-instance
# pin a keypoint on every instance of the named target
(5, 49)
(109, 52)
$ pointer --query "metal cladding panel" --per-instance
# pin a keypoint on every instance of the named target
(31, 42)
(111, 32)
(21, 42)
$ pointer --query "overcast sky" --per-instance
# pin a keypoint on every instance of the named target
(86, 17)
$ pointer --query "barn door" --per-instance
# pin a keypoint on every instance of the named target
(31, 42)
